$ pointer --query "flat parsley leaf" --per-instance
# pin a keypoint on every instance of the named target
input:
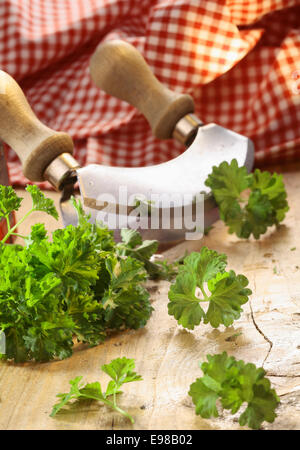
(227, 291)
(234, 383)
(265, 206)
(184, 305)
(120, 371)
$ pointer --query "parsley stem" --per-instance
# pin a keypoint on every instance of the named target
(206, 299)
(7, 222)
(121, 411)
(118, 409)
(19, 235)
(11, 230)
(113, 405)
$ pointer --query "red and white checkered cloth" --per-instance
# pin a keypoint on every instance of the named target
(239, 59)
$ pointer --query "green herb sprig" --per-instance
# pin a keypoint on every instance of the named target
(9, 202)
(78, 286)
(234, 383)
(248, 214)
(224, 291)
(120, 370)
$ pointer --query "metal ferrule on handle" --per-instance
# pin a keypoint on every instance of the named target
(62, 171)
(186, 129)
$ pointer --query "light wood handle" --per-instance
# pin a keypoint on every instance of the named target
(120, 70)
(35, 144)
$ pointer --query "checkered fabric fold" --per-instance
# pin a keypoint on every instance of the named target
(239, 59)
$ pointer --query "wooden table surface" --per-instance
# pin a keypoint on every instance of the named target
(167, 356)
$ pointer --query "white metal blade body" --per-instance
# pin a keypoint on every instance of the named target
(184, 175)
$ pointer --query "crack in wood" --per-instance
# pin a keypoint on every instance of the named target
(270, 374)
(261, 332)
(292, 391)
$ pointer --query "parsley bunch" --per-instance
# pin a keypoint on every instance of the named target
(234, 383)
(120, 370)
(205, 271)
(81, 284)
(265, 206)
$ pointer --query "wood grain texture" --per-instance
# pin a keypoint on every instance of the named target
(35, 143)
(167, 356)
(120, 70)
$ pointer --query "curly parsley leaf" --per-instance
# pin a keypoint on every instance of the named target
(120, 371)
(40, 202)
(126, 303)
(9, 201)
(272, 186)
(234, 383)
(75, 286)
(202, 271)
(131, 238)
(265, 205)
(227, 182)
(38, 233)
(133, 245)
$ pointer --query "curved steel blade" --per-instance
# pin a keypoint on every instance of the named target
(185, 174)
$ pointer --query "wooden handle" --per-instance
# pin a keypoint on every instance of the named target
(35, 144)
(120, 70)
